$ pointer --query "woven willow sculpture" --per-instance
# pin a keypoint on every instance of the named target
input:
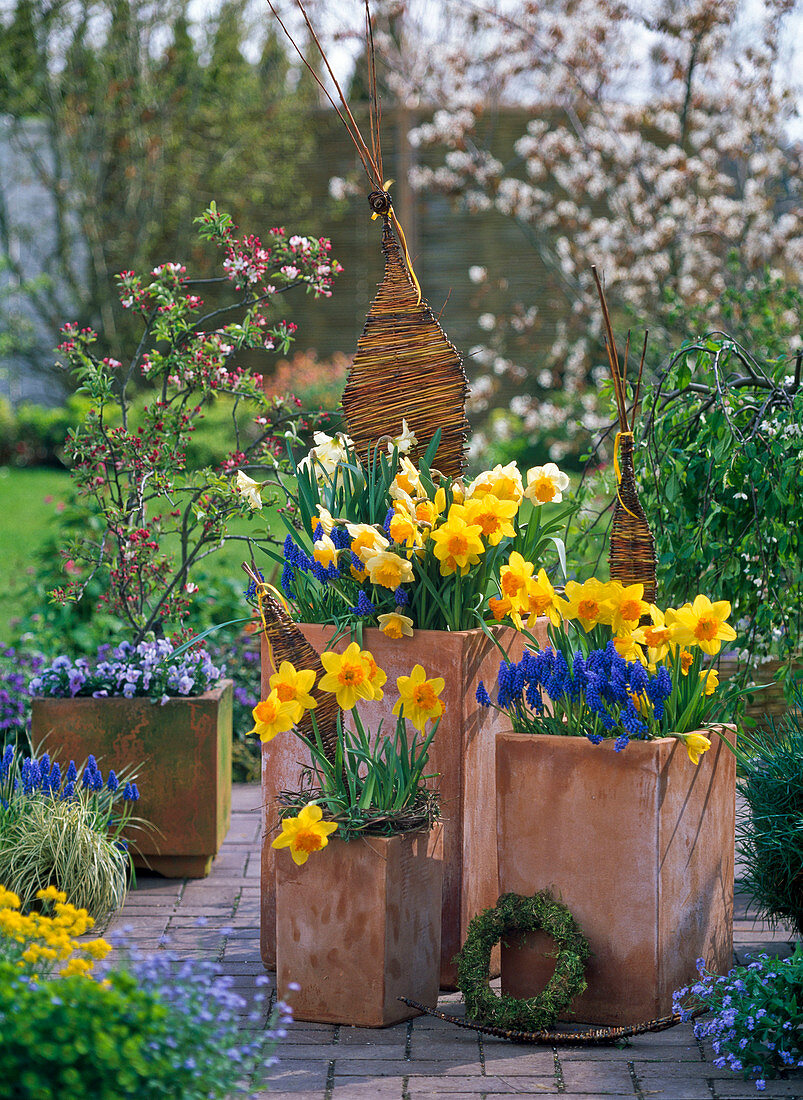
(287, 643)
(405, 368)
(632, 549)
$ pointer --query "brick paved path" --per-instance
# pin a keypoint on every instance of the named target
(424, 1058)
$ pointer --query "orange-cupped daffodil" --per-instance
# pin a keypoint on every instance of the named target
(494, 517)
(305, 833)
(696, 744)
(293, 686)
(388, 570)
(458, 544)
(545, 484)
(587, 602)
(504, 482)
(702, 623)
(376, 675)
(627, 605)
(419, 697)
(629, 645)
(514, 579)
(657, 636)
(347, 677)
(407, 481)
(272, 716)
(542, 599)
(324, 551)
(366, 540)
(404, 530)
(396, 625)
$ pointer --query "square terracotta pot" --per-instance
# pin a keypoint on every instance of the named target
(182, 752)
(639, 845)
(358, 926)
(462, 753)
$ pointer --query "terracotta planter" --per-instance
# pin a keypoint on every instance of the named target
(639, 845)
(462, 753)
(182, 752)
(358, 926)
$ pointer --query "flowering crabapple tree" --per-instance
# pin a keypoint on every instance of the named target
(158, 519)
(651, 143)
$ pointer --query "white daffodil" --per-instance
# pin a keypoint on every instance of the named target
(545, 484)
(405, 442)
(249, 490)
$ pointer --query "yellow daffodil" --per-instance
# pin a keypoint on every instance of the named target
(376, 675)
(305, 834)
(272, 716)
(407, 481)
(249, 490)
(396, 625)
(514, 579)
(696, 744)
(459, 492)
(504, 482)
(429, 511)
(347, 676)
(325, 519)
(629, 645)
(702, 623)
(419, 697)
(499, 607)
(626, 605)
(366, 540)
(404, 530)
(711, 678)
(325, 552)
(359, 573)
(587, 602)
(293, 687)
(494, 517)
(545, 484)
(542, 599)
(657, 636)
(458, 544)
(388, 569)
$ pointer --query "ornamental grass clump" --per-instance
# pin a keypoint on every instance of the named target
(770, 837)
(371, 782)
(153, 668)
(403, 547)
(61, 829)
(757, 1024)
(140, 1027)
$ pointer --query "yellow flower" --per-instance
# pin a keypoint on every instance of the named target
(458, 544)
(696, 744)
(304, 834)
(419, 697)
(404, 530)
(711, 678)
(493, 516)
(388, 569)
(366, 540)
(626, 605)
(503, 481)
(499, 607)
(459, 492)
(325, 552)
(686, 659)
(514, 579)
(658, 636)
(51, 893)
(96, 949)
(347, 676)
(396, 625)
(272, 716)
(325, 519)
(293, 687)
(9, 900)
(703, 623)
(587, 602)
(545, 484)
(542, 599)
(376, 675)
(76, 966)
(428, 512)
(629, 645)
(407, 481)
(249, 490)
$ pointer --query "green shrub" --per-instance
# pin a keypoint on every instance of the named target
(771, 839)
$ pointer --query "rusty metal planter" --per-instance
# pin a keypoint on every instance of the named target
(462, 753)
(358, 926)
(182, 751)
(639, 845)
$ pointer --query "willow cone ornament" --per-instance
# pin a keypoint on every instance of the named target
(405, 369)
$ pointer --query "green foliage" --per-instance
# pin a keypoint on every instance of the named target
(516, 915)
(127, 1037)
(757, 1027)
(771, 839)
(721, 484)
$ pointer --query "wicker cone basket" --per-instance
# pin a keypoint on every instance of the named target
(287, 643)
(406, 368)
(632, 550)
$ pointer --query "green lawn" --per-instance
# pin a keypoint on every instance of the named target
(29, 505)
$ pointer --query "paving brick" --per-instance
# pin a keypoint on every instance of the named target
(372, 1088)
(530, 1063)
(596, 1077)
(742, 1090)
(655, 1088)
(397, 1067)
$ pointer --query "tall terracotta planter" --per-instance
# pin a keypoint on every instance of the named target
(182, 752)
(462, 753)
(358, 926)
(639, 845)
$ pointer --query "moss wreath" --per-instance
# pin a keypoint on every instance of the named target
(514, 913)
